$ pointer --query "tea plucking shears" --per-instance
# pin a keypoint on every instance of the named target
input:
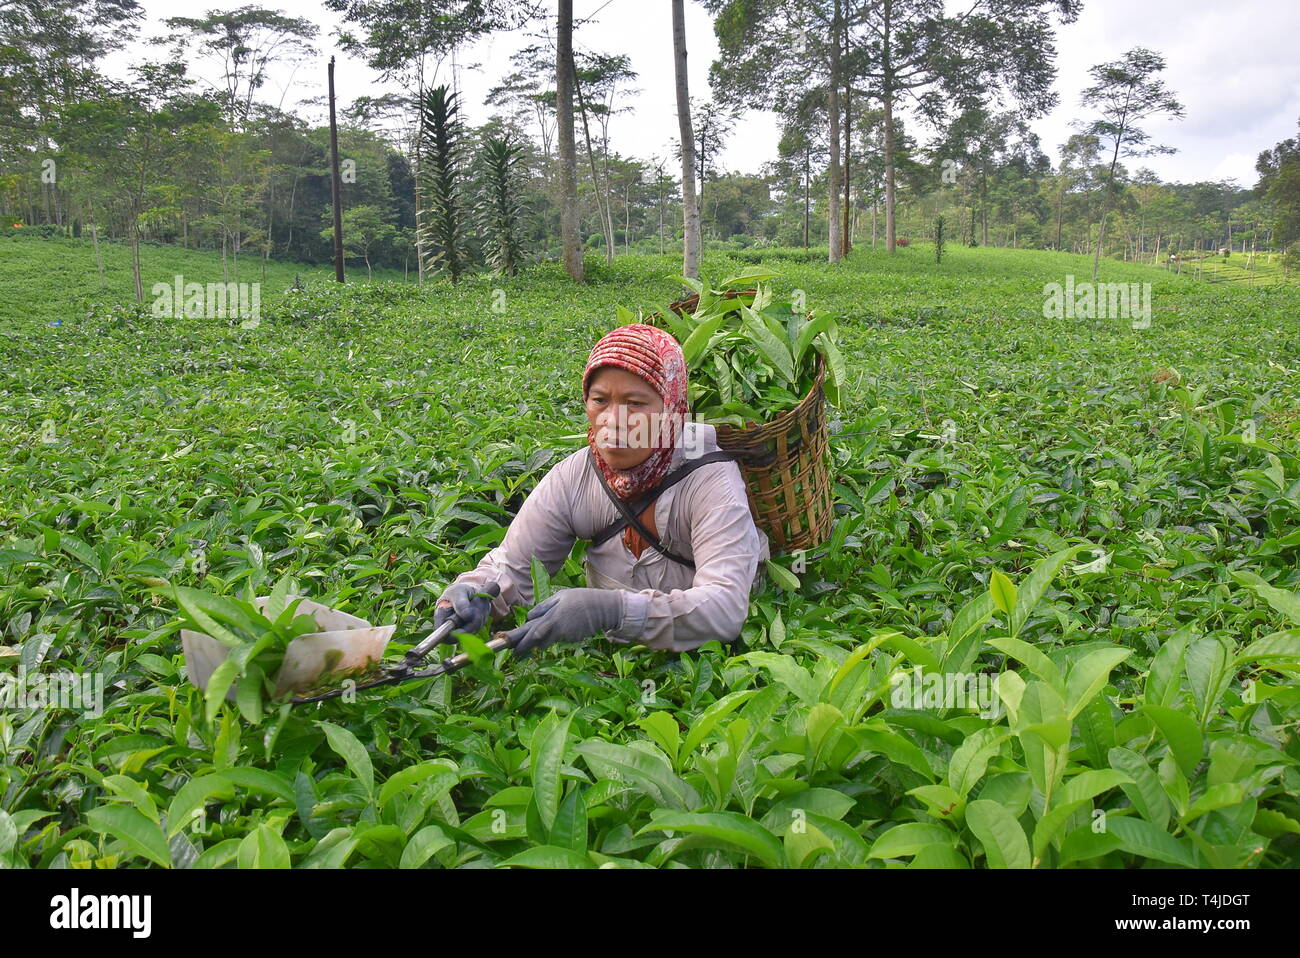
(410, 667)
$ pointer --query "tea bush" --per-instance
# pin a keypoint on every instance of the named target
(1019, 497)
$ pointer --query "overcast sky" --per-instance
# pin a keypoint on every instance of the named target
(1234, 65)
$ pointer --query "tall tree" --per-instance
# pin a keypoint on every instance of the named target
(777, 55)
(48, 55)
(835, 238)
(796, 152)
(245, 43)
(1075, 175)
(132, 137)
(236, 178)
(1279, 181)
(663, 186)
(398, 38)
(596, 78)
(566, 146)
(712, 122)
(916, 49)
(1125, 92)
(690, 204)
(986, 142)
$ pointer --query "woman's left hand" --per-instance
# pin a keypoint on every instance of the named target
(570, 615)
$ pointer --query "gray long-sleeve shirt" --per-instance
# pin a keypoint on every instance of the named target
(704, 517)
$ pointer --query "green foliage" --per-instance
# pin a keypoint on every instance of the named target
(443, 231)
(499, 208)
(1119, 552)
(750, 358)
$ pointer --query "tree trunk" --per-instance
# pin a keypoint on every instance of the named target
(887, 102)
(135, 264)
(336, 183)
(807, 194)
(1060, 204)
(567, 148)
(99, 257)
(984, 205)
(834, 240)
(609, 188)
(415, 172)
(690, 209)
(1101, 238)
(846, 242)
(1105, 203)
(602, 195)
(661, 225)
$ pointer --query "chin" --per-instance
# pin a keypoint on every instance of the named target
(622, 459)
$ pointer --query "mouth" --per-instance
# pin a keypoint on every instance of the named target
(607, 438)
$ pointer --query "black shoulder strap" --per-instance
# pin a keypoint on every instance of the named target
(638, 504)
(631, 511)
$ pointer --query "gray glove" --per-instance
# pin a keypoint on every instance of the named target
(464, 600)
(570, 615)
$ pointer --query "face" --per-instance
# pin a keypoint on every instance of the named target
(617, 398)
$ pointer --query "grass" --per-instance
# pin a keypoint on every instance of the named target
(56, 279)
(1246, 268)
(1110, 514)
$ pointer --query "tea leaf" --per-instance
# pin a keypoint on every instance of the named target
(1003, 839)
(1003, 591)
(545, 757)
(350, 749)
(902, 841)
(423, 845)
(725, 830)
(132, 829)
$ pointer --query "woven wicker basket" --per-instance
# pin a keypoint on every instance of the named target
(787, 464)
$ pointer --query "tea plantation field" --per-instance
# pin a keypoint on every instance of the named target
(1105, 518)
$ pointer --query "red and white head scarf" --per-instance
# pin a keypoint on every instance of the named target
(656, 357)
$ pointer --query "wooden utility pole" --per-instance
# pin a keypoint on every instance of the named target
(336, 184)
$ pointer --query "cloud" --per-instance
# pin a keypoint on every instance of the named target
(1237, 166)
(1233, 65)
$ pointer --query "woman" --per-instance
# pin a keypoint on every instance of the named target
(695, 585)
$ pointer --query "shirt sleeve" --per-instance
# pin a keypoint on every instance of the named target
(543, 528)
(726, 548)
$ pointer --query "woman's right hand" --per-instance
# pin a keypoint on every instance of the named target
(464, 600)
